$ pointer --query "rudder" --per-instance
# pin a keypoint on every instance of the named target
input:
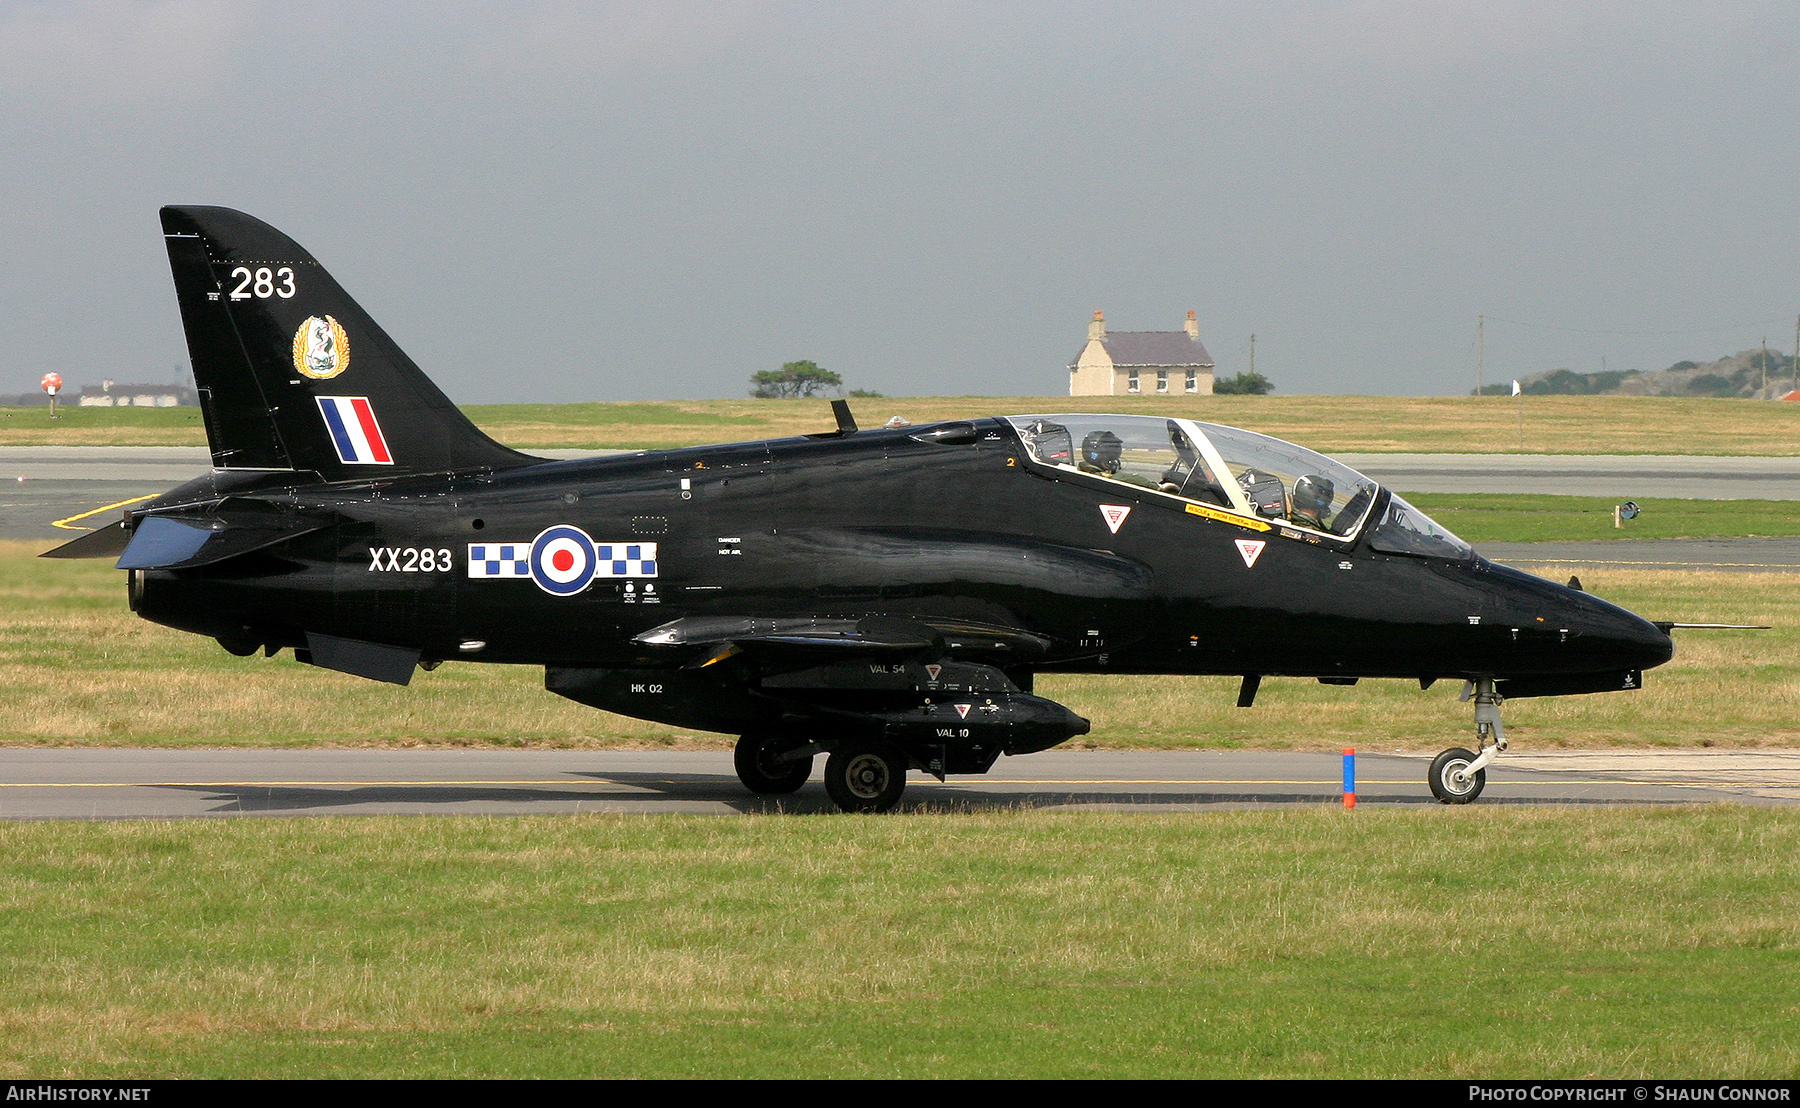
(293, 374)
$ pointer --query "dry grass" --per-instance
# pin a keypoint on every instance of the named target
(76, 668)
(1553, 424)
(1298, 943)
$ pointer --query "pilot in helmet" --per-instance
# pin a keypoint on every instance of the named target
(1312, 498)
(1101, 452)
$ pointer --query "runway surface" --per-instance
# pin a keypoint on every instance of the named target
(1778, 555)
(40, 784)
(42, 484)
(1624, 476)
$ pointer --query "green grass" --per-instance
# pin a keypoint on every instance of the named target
(1377, 424)
(78, 669)
(1508, 518)
(78, 426)
(1300, 943)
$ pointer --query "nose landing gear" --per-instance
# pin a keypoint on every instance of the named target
(1458, 775)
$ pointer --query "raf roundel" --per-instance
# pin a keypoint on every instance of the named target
(562, 560)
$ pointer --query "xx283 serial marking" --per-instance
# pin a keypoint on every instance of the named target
(410, 559)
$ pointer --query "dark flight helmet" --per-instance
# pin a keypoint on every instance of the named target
(1102, 449)
(1312, 495)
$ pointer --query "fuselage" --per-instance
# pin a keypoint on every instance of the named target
(963, 527)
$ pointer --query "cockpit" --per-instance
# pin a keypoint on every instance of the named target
(1236, 471)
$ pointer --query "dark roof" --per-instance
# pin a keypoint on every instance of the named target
(1159, 349)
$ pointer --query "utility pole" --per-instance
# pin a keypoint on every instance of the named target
(1253, 353)
(1481, 350)
(1765, 356)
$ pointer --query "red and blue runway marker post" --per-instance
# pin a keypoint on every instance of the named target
(1349, 777)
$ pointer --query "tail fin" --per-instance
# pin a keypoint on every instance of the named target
(292, 374)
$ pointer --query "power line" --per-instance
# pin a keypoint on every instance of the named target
(1597, 331)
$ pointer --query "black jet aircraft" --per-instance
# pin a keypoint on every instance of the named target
(882, 597)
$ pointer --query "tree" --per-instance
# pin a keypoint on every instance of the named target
(791, 380)
(1244, 384)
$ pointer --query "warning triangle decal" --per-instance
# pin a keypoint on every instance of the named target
(1114, 514)
(934, 671)
(962, 709)
(1251, 549)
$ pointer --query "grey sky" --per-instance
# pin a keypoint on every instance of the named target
(560, 201)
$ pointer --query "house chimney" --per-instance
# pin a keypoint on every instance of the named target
(1097, 329)
(1192, 326)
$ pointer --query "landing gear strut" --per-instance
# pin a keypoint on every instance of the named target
(1457, 775)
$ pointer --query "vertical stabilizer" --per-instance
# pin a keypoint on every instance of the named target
(292, 374)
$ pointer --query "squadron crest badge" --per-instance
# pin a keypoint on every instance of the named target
(321, 349)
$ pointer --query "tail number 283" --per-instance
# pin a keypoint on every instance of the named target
(263, 283)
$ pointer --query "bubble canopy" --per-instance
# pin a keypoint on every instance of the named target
(1235, 470)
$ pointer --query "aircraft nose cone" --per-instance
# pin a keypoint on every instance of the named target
(1644, 643)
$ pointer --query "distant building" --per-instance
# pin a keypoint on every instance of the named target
(109, 394)
(1149, 362)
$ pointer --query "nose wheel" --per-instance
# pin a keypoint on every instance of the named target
(1452, 782)
(1458, 775)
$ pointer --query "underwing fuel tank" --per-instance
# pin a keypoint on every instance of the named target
(1000, 719)
(1017, 723)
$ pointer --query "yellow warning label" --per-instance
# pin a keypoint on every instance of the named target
(1227, 517)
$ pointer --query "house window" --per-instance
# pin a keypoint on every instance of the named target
(1162, 380)
(1131, 382)
(1193, 380)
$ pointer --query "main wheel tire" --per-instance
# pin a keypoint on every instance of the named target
(865, 776)
(1444, 784)
(759, 770)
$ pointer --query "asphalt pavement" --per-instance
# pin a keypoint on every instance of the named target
(182, 784)
(1620, 476)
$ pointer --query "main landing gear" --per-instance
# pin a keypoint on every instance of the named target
(766, 765)
(1457, 775)
(861, 775)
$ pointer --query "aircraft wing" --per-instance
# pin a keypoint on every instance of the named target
(102, 542)
(814, 637)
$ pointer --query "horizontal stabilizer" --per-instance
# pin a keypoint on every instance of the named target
(184, 542)
(102, 542)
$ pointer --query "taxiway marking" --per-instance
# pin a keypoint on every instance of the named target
(64, 522)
